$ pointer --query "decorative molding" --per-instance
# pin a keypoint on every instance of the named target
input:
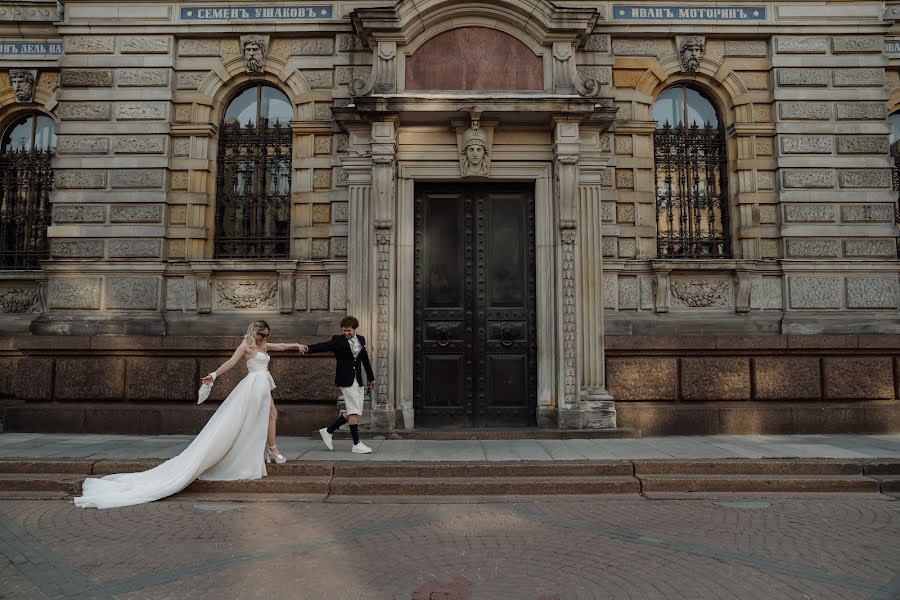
(20, 300)
(383, 78)
(246, 294)
(700, 294)
(568, 234)
(565, 73)
(383, 230)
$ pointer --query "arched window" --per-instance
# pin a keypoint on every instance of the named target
(253, 195)
(894, 122)
(691, 177)
(26, 178)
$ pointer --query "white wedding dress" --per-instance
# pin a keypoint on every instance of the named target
(229, 447)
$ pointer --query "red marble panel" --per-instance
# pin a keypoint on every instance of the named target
(474, 58)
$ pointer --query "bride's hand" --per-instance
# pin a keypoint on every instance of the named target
(303, 348)
(207, 380)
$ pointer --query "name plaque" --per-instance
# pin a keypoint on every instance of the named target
(257, 13)
(723, 14)
(31, 48)
(892, 47)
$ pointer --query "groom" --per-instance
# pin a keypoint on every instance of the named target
(350, 351)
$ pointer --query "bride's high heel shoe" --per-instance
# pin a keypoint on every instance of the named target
(272, 453)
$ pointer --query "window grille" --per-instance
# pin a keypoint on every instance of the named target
(690, 159)
(253, 196)
(26, 179)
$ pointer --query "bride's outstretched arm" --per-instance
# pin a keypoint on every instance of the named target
(282, 346)
(226, 366)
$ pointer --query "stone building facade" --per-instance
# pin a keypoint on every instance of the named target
(678, 218)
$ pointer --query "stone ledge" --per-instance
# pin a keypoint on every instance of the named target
(759, 418)
(144, 419)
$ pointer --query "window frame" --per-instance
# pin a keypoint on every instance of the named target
(691, 158)
(29, 245)
(256, 245)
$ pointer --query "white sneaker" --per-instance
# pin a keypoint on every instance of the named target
(361, 448)
(326, 437)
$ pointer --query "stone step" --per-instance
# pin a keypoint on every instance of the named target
(46, 465)
(882, 467)
(273, 484)
(455, 470)
(41, 482)
(890, 484)
(748, 467)
(457, 486)
(325, 479)
(757, 483)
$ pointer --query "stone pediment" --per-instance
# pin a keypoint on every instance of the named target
(459, 40)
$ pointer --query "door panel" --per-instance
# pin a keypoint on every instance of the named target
(474, 306)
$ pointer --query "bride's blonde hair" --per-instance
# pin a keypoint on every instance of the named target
(252, 329)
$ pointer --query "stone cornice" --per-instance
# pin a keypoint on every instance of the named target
(527, 108)
(29, 11)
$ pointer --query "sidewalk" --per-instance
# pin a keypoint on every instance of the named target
(853, 447)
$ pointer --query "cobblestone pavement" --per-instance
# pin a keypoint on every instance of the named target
(841, 549)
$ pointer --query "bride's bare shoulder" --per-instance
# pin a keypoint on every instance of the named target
(245, 351)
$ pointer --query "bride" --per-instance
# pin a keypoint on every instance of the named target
(229, 447)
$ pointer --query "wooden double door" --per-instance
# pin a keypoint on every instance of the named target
(475, 348)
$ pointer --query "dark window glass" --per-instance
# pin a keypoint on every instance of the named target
(26, 179)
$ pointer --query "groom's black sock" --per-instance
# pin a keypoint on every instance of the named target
(337, 424)
(354, 431)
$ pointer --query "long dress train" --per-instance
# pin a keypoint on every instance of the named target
(229, 447)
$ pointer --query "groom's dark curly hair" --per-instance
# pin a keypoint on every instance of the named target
(349, 321)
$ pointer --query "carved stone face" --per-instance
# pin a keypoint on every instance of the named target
(22, 82)
(474, 160)
(255, 55)
(475, 154)
(691, 53)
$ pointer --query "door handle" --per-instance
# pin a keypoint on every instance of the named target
(443, 337)
(506, 337)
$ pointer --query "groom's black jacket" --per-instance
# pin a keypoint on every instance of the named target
(347, 367)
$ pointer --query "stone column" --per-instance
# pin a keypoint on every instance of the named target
(357, 164)
(566, 147)
(384, 196)
(598, 407)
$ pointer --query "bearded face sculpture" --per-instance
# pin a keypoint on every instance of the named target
(22, 81)
(254, 47)
(691, 52)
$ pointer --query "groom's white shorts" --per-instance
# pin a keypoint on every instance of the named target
(353, 398)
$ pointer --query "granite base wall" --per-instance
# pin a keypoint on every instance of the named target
(146, 384)
(663, 385)
(767, 384)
